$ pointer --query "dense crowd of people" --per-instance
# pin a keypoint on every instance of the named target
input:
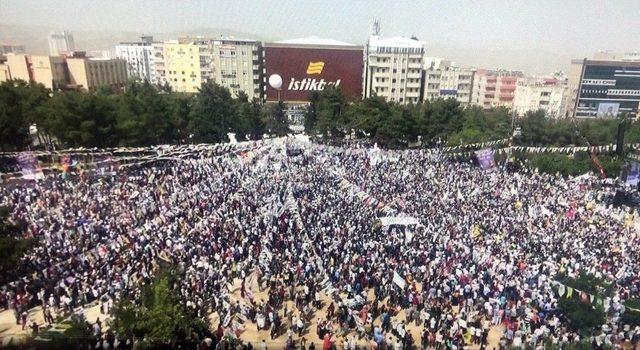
(305, 238)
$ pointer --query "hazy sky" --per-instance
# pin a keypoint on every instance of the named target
(533, 35)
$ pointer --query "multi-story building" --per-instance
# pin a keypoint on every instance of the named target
(90, 73)
(140, 58)
(5, 73)
(183, 64)
(61, 42)
(616, 56)
(65, 72)
(237, 65)
(604, 88)
(159, 67)
(393, 69)
(495, 88)
(6, 49)
(541, 93)
(49, 71)
(443, 79)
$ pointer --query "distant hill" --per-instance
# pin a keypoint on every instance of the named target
(35, 37)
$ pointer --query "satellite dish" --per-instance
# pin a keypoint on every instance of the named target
(275, 81)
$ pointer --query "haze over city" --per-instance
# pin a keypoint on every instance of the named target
(535, 37)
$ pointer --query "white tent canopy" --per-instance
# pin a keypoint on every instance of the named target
(398, 220)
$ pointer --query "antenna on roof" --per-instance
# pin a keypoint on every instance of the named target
(375, 27)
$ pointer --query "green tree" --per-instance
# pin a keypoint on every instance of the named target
(331, 120)
(366, 117)
(143, 116)
(398, 128)
(584, 316)
(19, 107)
(482, 125)
(159, 317)
(13, 246)
(81, 119)
(274, 119)
(311, 114)
(538, 130)
(179, 114)
(256, 123)
(213, 114)
(631, 315)
(439, 119)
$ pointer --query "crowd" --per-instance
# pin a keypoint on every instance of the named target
(303, 238)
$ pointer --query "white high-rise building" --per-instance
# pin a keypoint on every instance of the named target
(393, 68)
(140, 58)
(238, 66)
(61, 42)
(541, 93)
(445, 80)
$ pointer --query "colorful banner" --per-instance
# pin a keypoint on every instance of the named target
(29, 165)
(485, 158)
(65, 162)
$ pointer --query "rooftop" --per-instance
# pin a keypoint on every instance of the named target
(396, 41)
(314, 40)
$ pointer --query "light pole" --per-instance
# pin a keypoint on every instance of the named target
(275, 81)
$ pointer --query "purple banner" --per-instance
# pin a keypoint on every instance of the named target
(485, 158)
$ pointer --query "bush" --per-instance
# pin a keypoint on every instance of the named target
(584, 317)
(630, 316)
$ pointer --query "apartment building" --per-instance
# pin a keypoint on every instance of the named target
(89, 73)
(443, 79)
(237, 65)
(184, 64)
(140, 58)
(393, 68)
(542, 93)
(495, 88)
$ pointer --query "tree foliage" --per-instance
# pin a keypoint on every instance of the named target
(584, 316)
(159, 318)
(146, 114)
(12, 247)
(142, 115)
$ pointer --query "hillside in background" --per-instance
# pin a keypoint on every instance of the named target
(35, 37)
